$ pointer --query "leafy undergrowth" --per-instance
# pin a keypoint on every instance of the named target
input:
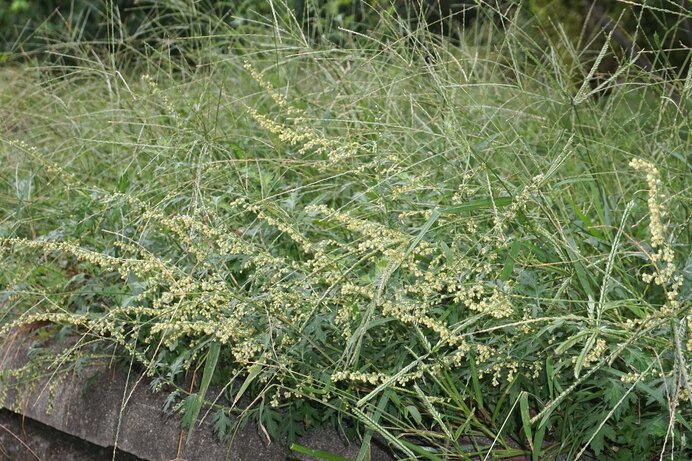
(456, 247)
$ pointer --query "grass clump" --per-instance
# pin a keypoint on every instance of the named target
(454, 247)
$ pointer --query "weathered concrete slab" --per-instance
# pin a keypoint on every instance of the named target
(106, 408)
(23, 439)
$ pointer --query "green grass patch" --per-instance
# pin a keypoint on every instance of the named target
(457, 248)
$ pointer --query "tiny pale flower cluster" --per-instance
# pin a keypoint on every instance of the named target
(519, 204)
(375, 379)
(154, 90)
(664, 256)
(497, 305)
(50, 168)
(595, 354)
(299, 132)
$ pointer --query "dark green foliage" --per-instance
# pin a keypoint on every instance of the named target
(32, 25)
(663, 27)
(483, 165)
(26, 25)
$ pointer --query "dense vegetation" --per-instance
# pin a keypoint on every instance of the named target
(475, 248)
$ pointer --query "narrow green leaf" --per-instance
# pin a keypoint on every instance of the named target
(538, 441)
(582, 355)
(424, 230)
(421, 451)
(433, 412)
(585, 219)
(576, 259)
(510, 261)
(253, 372)
(549, 374)
(209, 368)
(415, 414)
(597, 202)
(484, 144)
(525, 417)
(464, 426)
(319, 454)
(571, 341)
(365, 445)
(475, 382)
(372, 425)
(479, 204)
